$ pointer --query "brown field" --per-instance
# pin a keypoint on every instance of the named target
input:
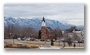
(34, 44)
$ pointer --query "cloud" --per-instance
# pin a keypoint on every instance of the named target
(76, 22)
(61, 12)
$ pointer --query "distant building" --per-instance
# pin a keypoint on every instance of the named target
(76, 35)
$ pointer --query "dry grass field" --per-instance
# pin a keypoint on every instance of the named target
(34, 44)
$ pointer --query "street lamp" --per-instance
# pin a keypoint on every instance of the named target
(10, 35)
(59, 42)
(38, 42)
(13, 39)
(63, 42)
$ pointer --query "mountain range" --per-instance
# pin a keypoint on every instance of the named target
(36, 23)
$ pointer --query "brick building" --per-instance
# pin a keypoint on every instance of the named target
(45, 32)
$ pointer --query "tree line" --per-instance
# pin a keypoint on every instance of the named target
(14, 32)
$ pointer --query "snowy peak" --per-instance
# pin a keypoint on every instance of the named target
(34, 23)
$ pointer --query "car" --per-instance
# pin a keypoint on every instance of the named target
(82, 41)
(18, 39)
(42, 40)
(57, 40)
(36, 39)
(48, 40)
(32, 39)
(27, 39)
(75, 41)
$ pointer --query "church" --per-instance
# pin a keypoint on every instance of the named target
(45, 33)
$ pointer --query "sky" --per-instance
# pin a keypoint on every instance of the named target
(65, 13)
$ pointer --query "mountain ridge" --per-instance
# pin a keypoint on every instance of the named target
(34, 23)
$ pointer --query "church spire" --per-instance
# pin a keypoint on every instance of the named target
(43, 19)
(43, 22)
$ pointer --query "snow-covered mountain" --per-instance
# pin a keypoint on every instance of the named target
(34, 23)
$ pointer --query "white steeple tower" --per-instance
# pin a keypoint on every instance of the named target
(43, 22)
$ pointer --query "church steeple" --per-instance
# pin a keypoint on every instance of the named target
(43, 22)
(43, 19)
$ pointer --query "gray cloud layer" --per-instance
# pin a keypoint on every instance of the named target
(62, 12)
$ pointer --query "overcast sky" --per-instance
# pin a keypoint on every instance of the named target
(66, 13)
